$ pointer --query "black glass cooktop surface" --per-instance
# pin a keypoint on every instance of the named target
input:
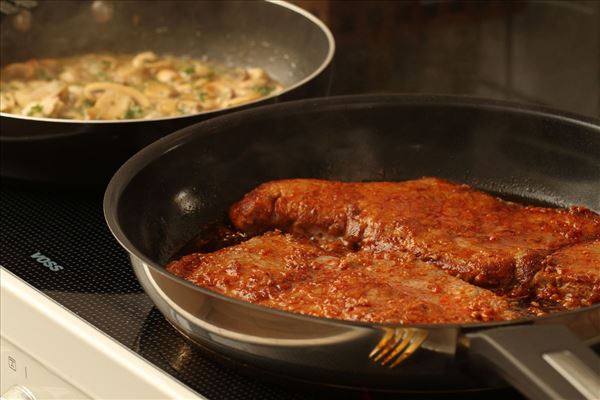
(91, 276)
(493, 49)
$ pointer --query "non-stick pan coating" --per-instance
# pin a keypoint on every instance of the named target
(160, 199)
(511, 151)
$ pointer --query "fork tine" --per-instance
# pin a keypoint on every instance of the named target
(417, 339)
(383, 343)
(407, 335)
(397, 345)
(391, 344)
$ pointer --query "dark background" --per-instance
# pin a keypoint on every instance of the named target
(545, 52)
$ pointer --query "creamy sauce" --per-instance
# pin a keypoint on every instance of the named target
(116, 87)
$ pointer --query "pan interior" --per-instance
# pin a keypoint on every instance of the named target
(285, 43)
(509, 151)
(166, 194)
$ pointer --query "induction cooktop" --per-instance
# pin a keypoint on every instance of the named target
(56, 240)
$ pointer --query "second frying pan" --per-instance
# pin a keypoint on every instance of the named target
(159, 200)
(289, 43)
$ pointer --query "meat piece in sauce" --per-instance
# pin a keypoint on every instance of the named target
(253, 270)
(570, 276)
(279, 271)
(472, 235)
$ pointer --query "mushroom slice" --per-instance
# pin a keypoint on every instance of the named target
(7, 102)
(256, 73)
(157, 89)
(200, 83)
(183, 88)
(39, 91)
(111, 105)
(143, 58)
(128, 73)
(69, 75)
(243, 99)
(47, 107)
(108, 61)
(158, 65)
(201, 69)
(16, 85)
(236, 75)
(75, 90)
(167, 106)
(166, 75)
(90, 89)
(76, 98)
(188, 106)
(218, 91)
(215, 95)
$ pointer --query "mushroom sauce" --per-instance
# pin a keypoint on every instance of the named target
(115, 87)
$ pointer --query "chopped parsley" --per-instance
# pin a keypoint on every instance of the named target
(264, 90)
(201, 95)
(106, 63)
(189, 70)
(133, 112)
(102, 76)
(180, 110)
(42, 74)
(87, 103)
(36, 109)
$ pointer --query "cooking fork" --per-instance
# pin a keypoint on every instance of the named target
(396, 345)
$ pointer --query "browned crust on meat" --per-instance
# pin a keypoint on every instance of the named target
(365, 287)
(570, 276)
(281, 272)
(253, 270)
(470, 234)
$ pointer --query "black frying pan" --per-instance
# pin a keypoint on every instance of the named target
(159, 200)
(293, 46)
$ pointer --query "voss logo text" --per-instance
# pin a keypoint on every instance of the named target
(46, 262)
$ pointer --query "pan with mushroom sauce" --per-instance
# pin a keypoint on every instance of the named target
(116, 87)
(81, 94)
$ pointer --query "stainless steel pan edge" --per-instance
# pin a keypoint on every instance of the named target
(337, 352)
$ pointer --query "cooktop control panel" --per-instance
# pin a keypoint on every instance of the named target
(48, 352)
(22, 377)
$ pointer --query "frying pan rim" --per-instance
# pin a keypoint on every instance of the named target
(281, 3)
(141, 159)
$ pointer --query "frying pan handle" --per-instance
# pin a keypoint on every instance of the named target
(542, 361)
